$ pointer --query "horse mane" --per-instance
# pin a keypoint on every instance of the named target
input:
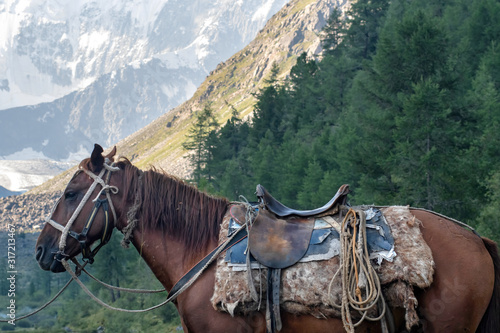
(174, 207)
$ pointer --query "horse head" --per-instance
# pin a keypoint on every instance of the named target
(84, 214)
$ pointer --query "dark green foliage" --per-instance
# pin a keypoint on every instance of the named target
(362, 30)
(404, 106)
(200, 138)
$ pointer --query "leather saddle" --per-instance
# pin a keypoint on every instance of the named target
(281, 210)
(278, 238)
(279, 243)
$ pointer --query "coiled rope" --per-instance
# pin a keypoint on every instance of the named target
(361, 289)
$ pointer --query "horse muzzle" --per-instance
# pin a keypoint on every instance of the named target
(48, 260)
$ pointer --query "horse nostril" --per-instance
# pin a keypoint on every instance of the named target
(39, 253)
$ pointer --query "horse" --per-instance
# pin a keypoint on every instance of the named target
(173, 226)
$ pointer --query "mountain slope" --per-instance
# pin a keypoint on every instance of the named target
(293, 30)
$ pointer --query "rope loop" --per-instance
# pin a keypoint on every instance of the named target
(361, 288)
(106, 189)
(108, 165)
(132, 214)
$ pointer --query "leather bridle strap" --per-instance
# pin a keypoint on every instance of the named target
(188, 279)
(81, 237)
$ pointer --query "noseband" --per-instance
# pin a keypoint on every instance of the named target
(99, 203)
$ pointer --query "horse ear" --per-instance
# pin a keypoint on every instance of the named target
(96, 159)
(111, 154)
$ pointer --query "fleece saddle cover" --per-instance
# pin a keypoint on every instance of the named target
(305, 285)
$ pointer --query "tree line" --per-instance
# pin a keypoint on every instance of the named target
(403, 105)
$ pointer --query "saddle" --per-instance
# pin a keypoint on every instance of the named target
(279, 237)
(279, 243)
(266, 199)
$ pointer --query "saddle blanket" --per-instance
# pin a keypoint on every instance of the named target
(325, 241)
(306, 287)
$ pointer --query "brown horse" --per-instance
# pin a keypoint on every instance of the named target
(176, 226)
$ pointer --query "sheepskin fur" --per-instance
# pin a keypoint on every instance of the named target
(305, 286)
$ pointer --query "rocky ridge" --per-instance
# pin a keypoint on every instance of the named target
(27, 212)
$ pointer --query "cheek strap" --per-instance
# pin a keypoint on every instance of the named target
(87, 253)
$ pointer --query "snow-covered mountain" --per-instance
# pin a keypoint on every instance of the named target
(49, 48)
(77, 72)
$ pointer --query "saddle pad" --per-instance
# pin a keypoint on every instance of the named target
(324, 243)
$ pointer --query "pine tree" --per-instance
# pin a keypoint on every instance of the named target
(487, 222)
(263, 161)
(482, 161)
(335, 76)
(228, 164)
(199, 139)
(334, 31)
(414, 49)
(482, 28)
(398, 105)
(291, 160)
(424, 154)
(362, 29)
(303, 98)
(268, 111)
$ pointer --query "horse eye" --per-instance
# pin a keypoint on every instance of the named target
(70, 195)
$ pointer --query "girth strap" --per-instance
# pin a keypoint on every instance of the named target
(273, 316)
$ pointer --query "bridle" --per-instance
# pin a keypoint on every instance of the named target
(104, 203)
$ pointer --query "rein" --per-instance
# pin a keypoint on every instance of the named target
(42, 307)
(185, 282)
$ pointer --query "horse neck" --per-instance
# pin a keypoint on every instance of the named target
(167, 258)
